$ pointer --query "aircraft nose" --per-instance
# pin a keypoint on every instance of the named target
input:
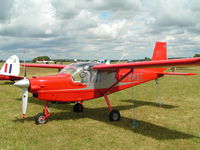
(24, 83)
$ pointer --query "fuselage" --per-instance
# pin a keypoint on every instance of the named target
(4, 77)
(79, 82)
(10, 77)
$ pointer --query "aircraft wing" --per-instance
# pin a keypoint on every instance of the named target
(55, 66)
(151, 64)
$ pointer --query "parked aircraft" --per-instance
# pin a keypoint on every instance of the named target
(104, 61)
(11, 69)
(82, 81)
(44, 61)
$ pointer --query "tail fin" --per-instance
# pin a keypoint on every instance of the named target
(160, 51)
(11, 66)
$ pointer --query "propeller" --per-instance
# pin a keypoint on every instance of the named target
(24, 84)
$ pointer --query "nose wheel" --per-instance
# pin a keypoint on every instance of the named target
(42, 118)
(39, 118)
(78, 107)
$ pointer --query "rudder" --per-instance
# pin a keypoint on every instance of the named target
(11, 66)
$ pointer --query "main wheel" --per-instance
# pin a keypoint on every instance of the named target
(39, 120)
(114, 115)
(78, 107)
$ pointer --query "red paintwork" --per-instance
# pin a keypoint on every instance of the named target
(10, 77)
(45, 66)
(108, 102)
(6, 66)
(160, 51)
(151, 64)
(60, 87)
(177, 73)
(46, 111)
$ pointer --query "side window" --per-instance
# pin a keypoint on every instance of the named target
(86, 76)
(91, 76)
(76, 77)
(97, 78)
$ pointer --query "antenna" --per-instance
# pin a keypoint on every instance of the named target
(24, 63)
(123, 55)
(120, 59)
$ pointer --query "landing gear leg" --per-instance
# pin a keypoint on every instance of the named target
(114, 114)
(42, 118)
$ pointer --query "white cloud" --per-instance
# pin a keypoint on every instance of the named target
(109, 28)
(5, 10)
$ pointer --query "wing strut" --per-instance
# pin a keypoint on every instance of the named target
(159, 101)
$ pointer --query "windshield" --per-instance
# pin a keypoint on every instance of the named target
(79, 71)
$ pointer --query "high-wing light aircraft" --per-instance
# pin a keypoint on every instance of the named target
(11, 69)
(82, 81)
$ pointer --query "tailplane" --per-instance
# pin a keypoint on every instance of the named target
(11, 66)
(160, 53)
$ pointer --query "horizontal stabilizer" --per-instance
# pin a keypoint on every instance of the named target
(177, 73)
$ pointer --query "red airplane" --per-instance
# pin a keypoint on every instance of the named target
(78, 82)
(11, 69)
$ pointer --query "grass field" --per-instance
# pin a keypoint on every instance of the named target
(173, 126)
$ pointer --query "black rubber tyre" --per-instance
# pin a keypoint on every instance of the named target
(114, 115)
(38, 119)
(78, 107)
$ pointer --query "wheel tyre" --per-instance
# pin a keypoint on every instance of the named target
(78, 107)
(38, 119)
(114, 115)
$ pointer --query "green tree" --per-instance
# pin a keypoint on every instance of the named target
(40, 58)
(147, 59)
(197, 55)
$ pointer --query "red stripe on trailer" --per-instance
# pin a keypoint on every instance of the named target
(6, 67)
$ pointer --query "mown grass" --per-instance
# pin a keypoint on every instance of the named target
(174, 125)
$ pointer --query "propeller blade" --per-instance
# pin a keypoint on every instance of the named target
(24, 84)
(24, 101)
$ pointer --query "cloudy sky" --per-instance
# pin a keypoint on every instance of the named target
(98, 29)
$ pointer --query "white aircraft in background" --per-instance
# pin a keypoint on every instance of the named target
(11, 69)
(44, 61)
(104, 61)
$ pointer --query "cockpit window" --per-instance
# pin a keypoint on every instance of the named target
(80, 72)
